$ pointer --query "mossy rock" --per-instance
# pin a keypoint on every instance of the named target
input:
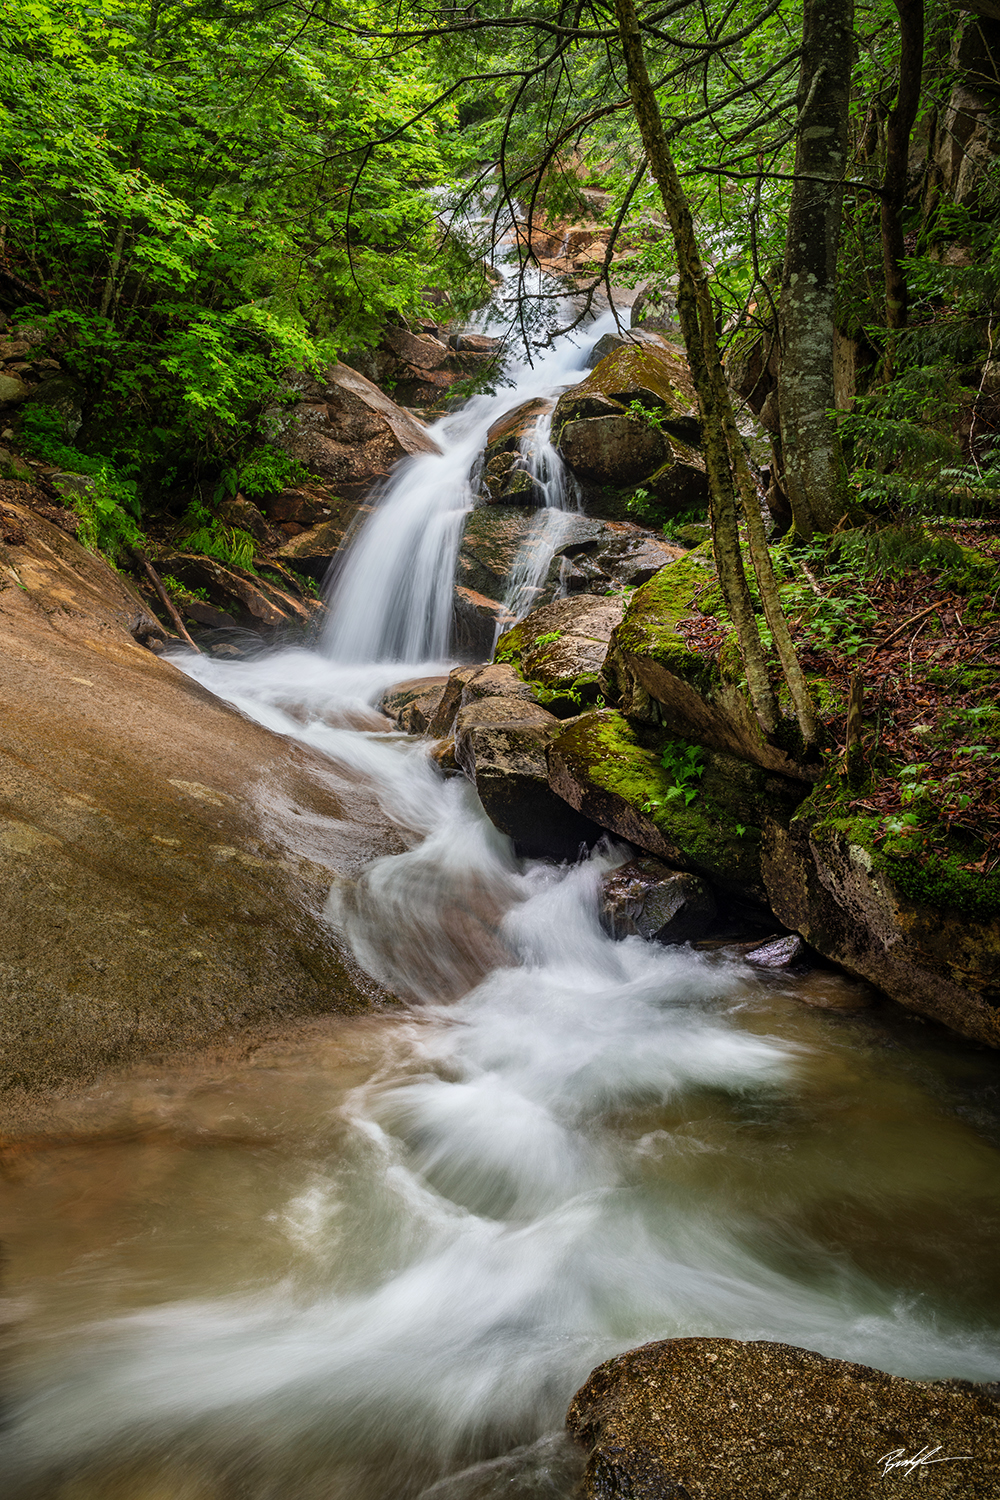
(649, 663)
(560, 648)
(921, 928)
(611, 771)
(660, 382)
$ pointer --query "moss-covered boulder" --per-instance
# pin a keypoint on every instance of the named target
(720, 1419)
(923, 929)
(653, 673)
(657, 380)
(614, 772)
(560, 648)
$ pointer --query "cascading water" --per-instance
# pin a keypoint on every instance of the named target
(352, 1265)
(561, 501)
(392, 598)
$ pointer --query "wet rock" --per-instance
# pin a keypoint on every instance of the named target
(647, 899)
(718, 1419)
(500, 744)
(476, 623)
(652, 674)
(647, 336)
(491, 541)
(778, 953)
(346, 430)
(605, 555)
(562, 646)
(155, 894)
(506, 481)
(612, 772)
(442, 753)
(412, 705)
(467, 684)
(847, 900)
(614, 449)
(420, 350)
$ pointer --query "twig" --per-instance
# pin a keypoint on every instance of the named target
(906, 624)
(165, 598)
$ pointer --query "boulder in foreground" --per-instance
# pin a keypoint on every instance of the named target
(718, 1419)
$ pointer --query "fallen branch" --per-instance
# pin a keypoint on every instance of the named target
(907, 623)
(165, 598)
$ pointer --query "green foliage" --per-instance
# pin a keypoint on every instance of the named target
(104, 525)
(547, 640)
(204, 532)
(685, 765)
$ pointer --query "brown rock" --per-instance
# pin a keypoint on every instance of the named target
(254, 602)
(153, 893)
(417, 349)
(476, 622)
(347, 430)
(413, 704)
(563, 641)
(718, 1419)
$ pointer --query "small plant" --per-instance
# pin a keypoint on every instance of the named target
(547, 640)
(685, 763)
(105, 526)
(639, 412)
(227, 544)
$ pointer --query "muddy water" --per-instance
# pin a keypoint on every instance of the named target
(372, 1254)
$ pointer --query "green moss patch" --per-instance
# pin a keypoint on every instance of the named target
(654, 611)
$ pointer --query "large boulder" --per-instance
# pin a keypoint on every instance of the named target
(253, 602)
(157, 887)
(343, 428)
(653, 673)
(655, 378)
(633, 421)
(719, 1419)
(561, 646)
(468, 683)
(500, 744)
(492, 540)
(925, 931)
(613, 772)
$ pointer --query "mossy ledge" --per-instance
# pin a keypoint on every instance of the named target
(611, 769)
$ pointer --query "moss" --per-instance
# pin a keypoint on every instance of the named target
(930, 876)
(718, 832)
(654, 611)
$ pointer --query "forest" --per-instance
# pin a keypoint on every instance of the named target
(499, 749)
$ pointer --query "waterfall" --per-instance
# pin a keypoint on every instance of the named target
(391, 597)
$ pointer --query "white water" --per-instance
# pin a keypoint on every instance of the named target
(561, 502)
(572, 1146)
(392, 594)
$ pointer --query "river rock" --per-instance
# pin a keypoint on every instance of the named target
(313, 549)
(597, 556)
(647, 899)
(500, 744)
(476, 623)
(343, 428)
(562, 646)
(612, 772)
(412, 705)
(652, 673)
(777, 953)
(718, 1419)
(904, 927)
(466, 684)
(657, 378)
(164, 862)
(491, 541)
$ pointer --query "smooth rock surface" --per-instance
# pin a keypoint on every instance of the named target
(718, 1419)
(164, 862)
(562, 645)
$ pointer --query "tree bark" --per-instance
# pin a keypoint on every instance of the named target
(814, 476)
(694, 308)
(897, 150)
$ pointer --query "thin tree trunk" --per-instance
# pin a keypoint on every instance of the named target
(694, 310)
(897, 151)
(814, 476)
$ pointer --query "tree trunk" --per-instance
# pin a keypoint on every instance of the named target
(694, 310)
(897, 151)
(814, 477)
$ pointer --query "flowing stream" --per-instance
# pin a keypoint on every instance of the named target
(381, 1252)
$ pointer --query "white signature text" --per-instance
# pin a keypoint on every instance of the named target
(897, 1459)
